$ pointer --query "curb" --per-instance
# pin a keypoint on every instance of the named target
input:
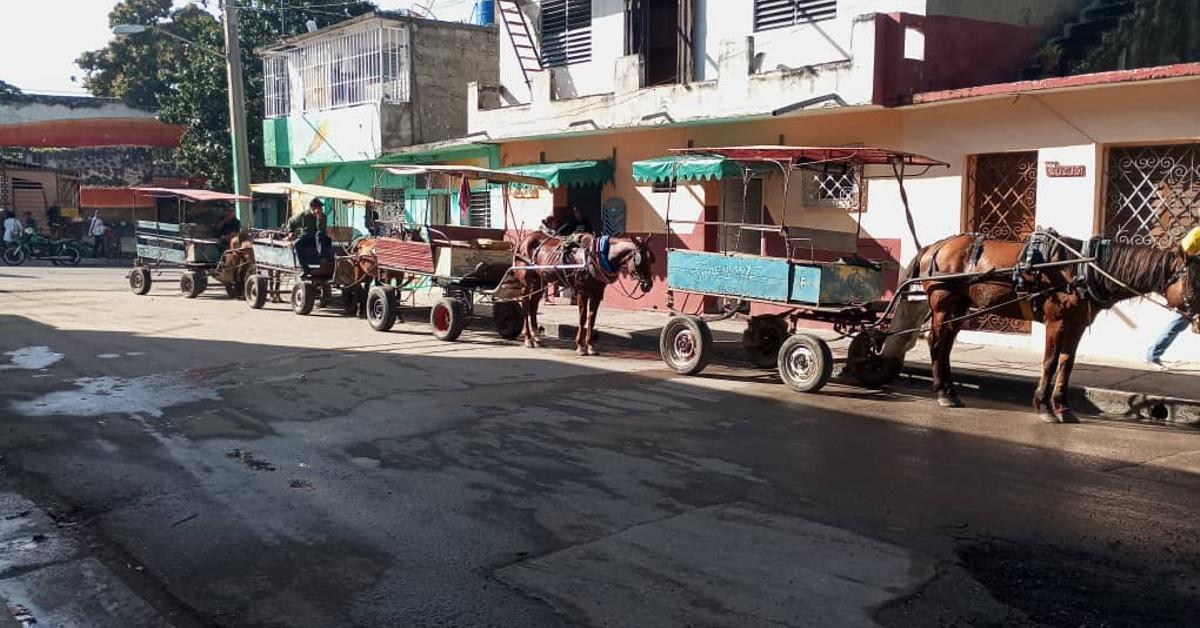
(1110, 403)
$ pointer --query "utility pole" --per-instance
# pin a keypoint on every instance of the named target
(237, 114)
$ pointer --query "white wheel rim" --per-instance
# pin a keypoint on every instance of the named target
(801, 363)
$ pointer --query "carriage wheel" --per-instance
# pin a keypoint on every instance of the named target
(139, 280)
(509, 318)
(256, 291)
(15, 255)
(686, 344)
(190, 284)
(865, 362)
(762, 339)
(805, 363)
(381, 307)
(304, 297)
(447, 319)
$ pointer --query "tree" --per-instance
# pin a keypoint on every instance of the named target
(187, 85)
(9, 88)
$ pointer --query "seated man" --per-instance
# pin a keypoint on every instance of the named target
(313, 245)
(227, 228)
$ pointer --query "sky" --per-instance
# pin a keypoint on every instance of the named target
(39, 58)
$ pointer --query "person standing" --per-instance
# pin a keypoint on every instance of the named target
(99, 231)
(1190, 246)
(12, 228)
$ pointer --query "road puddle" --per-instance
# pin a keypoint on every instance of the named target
(95, 396)
(31, 358)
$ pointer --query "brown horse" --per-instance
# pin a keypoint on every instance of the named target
(599, 268)
(358, 270)
(1066, 298)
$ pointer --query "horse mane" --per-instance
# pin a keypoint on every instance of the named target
(1145, 269)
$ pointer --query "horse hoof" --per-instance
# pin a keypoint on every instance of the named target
(946, 401)
(1049, 417)
(592, 351)
(581, 351)
(1067, 416)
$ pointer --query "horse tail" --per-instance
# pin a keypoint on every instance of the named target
(909, 317)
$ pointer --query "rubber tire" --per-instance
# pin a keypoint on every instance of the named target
(190, 284)
(701, 344)
(381, 307)
(509, 318)
(869, 368)
(139, 280)
(15, 255)
(448, 319)
(256, 291)
(304, 297)
(771, 330)
(812, 348)
(73, 256)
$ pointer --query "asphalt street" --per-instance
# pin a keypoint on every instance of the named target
(194, 462)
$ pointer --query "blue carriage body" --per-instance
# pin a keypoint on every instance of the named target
(773, 279)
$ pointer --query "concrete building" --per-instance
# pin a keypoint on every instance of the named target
(82, 155)
(589, 88)
(340, 98)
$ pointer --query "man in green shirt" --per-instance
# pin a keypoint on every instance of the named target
(313, 245)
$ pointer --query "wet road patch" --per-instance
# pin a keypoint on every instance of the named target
(31, 358)
(96, 396)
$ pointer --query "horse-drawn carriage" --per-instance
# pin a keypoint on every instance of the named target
(191, 249)
(846, 292)
(277, 267)
(467, 263)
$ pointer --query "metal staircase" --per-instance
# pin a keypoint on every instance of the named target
(1085, 32)
(528, 55)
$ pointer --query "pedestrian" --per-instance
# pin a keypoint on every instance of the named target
(1191, 246)
(98, 231)
(12, 228)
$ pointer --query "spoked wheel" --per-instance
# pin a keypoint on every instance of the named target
(139, 280)
(190, 284)
(762, 339)
(304, 297)
(381, 307)
(256, 291)
(805, 363)
(509, 319)
(448, 319)
(867, 364)
(686, 344)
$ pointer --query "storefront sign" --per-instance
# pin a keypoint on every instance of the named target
(1055, 169)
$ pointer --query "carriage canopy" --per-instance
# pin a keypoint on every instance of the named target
(310, 189)
(188, 194)
(470, 172)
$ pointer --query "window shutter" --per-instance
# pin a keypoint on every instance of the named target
(566, 32)
(770, 14)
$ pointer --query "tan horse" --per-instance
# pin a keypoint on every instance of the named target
(601, 264)
(1065, 297)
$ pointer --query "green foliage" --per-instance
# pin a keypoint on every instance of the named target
(187, 85)
(1160, 32)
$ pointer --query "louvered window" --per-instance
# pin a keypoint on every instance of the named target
(566, 32)
(479, 214)
(770, 14)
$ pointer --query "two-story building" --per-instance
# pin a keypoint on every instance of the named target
(341, 98)
(592, 91)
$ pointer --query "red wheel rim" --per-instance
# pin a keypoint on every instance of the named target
(441, 318)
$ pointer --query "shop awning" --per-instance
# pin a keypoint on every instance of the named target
(311, 189)
(684, 168)
(568, 173)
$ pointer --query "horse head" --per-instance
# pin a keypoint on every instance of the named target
(642, 263)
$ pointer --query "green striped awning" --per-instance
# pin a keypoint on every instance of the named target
(684, 168)
(568, 173)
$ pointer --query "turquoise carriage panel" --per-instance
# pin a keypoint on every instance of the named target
(773, 279)
(763, 278)
(275, 254)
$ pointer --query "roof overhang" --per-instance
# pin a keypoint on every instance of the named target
(311, 189)
(470, 172)
(91, 132)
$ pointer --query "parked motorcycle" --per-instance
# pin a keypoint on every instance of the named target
(33, 245)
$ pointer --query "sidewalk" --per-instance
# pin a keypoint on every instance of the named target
(1117, 389)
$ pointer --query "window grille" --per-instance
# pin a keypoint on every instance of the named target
(833, 187)
(1153, 193)
(391, 205)
(772, 14)
(566, 32)
(479, 214)
(355, 68)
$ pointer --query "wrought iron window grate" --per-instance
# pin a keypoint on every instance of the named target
(835, 187)
(370, 65)
(1152, 193)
